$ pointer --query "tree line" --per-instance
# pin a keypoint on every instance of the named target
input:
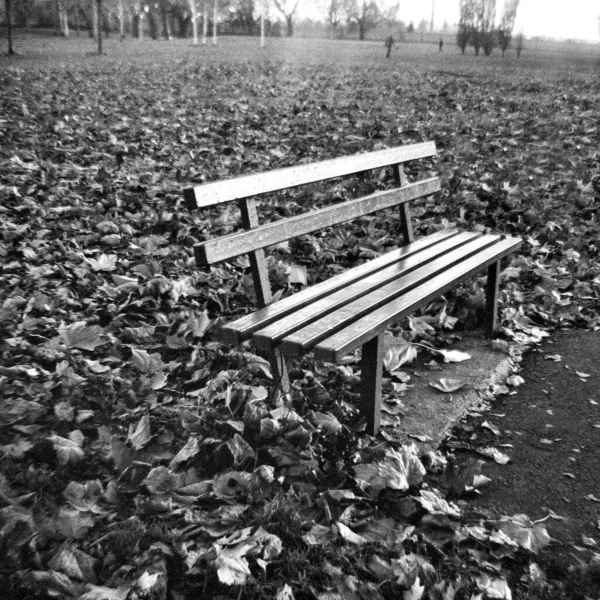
(182, 18)
(477, 26)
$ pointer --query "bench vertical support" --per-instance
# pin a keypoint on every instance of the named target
(260, 274)
(491, 298)
(262, 289)
(371, 375)
(400, 180)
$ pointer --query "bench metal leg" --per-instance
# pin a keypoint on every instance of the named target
(491, 298)
(371, 374)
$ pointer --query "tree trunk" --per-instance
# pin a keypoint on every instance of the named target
(64, 20)
(94, 19)
(9, 26)
(77, 18)
(361, 30)
(121, 20)
(166, 25)
(140, 24)
(194, 23)
(215, 9)
(262, 26)
(205, 22)
(98, 5)
(289, 21)
(57, 18)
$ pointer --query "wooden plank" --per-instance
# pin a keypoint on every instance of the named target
(209, 194)
(370, 375)
(242, 329)
(258, 266)
(271, 335)
(230, 246)
(491, 298)
(335, 347)
(304, 340)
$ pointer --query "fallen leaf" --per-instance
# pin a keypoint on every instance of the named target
(142, 434)
(447, 385)
(531, 535)
(494, 453)
(454, 356)
(80, 335)
(495, 430)
(588, 541)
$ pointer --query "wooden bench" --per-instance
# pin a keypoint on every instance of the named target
(353, 309)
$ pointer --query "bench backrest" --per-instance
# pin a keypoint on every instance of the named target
(256, 237)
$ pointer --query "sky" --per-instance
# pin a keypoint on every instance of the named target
(566, 19)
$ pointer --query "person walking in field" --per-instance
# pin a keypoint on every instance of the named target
(441, 45)
(389, 42)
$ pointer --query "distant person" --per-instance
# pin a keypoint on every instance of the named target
(389, 42)
(441, 45)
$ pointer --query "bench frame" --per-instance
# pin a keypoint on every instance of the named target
(255, 238)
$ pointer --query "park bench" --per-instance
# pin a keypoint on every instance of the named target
(353, 309)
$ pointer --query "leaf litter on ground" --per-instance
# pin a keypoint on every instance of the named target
(140, 439)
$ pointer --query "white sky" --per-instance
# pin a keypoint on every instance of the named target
(552, 18)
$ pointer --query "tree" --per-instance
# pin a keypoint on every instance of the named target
(194, 22)
(98, 5)
(466, 23)
(368, 18)
(287, 8)
(334, 15)
(519, 44)
(507, 23)
(389, 15)
(485, 36)
(7, 5)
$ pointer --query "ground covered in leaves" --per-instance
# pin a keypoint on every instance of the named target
(142, 459)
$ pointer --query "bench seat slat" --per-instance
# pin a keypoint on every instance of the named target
(305, 339)
(335, 347)
(242, 329)
(270, 336)
(218, 192)
(230, 246)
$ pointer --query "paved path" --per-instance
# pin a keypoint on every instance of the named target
(553, 425)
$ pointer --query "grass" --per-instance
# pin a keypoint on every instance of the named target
(49, 52)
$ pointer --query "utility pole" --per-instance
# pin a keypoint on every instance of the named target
(432, 14)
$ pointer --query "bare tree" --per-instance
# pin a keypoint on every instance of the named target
(389, 15)
(334, 15)
(287, 8)
(98, 15)
(466, 23)
(194, 22)
(507, 23)
(364, 14)
(8, 7)
(519, 44)
(485, 37)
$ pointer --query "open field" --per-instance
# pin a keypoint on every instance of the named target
(138, 454)
(37, 49)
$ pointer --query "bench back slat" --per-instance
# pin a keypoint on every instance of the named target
(218, 192)
(233, 245)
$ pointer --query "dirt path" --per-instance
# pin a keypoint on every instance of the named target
(550, 428)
